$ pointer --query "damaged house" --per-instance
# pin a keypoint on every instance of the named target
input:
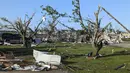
(10, 36)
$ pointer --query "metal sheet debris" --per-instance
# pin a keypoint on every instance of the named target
(46, 58)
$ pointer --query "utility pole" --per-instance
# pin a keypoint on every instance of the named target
(116, 20)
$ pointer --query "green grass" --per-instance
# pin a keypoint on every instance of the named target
(102, 65)
(81, 64)
(126, 39)
(10, 46)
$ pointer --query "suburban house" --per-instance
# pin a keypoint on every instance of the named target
(10, 36)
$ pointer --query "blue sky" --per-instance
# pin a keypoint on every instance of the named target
(18, 8)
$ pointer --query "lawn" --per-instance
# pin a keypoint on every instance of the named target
(75, 60)
(105, 64)
(74, 57)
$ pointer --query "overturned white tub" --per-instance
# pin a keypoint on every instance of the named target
(46, 58)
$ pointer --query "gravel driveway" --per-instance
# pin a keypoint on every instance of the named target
(123, 45)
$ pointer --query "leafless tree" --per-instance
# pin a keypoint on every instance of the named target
(97, 32)
(53, 19)
(23, 28)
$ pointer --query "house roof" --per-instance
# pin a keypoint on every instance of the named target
(6, 29)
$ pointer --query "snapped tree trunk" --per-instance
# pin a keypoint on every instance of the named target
(27, 42)
(97, 47)
(24, 42)
(94, 50)
(97, 51)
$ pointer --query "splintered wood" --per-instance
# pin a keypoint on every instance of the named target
(7, 57)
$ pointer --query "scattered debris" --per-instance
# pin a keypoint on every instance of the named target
(6, 43)
(119, 67)
(74, 68)
(44, 61)
(90, 54)
(54, 67)
(30, 67)
(16, 67)
(8, 57)
(33, 45)
(113, 51)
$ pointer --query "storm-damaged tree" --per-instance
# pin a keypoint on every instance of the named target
(53, 19)
(97, 39)
(77, 17)
(98, 32)
(91, 28)
(23, 28)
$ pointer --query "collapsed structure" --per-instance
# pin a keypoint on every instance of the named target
(112, 38)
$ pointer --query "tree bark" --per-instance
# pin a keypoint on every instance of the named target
(27, 42)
